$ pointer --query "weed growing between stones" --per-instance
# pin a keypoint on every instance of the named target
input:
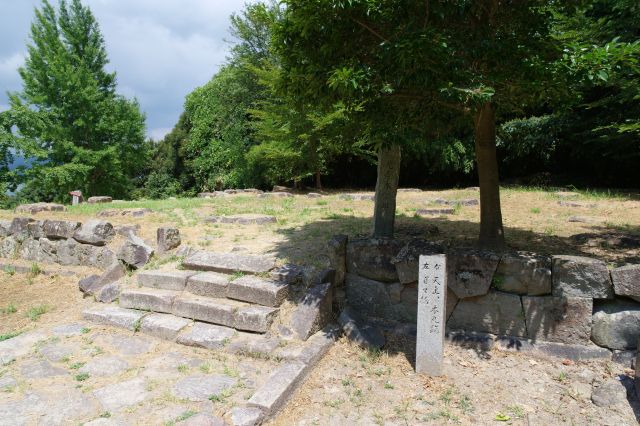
(10, 309)
(36, 312)
(8, 336)
(9, 270)
(76, 365)
(81, 377)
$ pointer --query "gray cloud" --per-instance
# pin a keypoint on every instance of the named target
(161, 50)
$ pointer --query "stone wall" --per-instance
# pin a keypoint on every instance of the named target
(57, 241)
(565, 299)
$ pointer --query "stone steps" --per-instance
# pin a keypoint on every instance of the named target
(225, 312)
(229, 262)
(250, 289)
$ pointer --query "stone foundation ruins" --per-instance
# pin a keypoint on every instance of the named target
(560, 299)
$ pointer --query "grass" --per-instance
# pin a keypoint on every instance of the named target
(81, 377)
(76, 365)
(10, 309)
(34, 270)
(9, 270)
(8, 336)
(36, 312)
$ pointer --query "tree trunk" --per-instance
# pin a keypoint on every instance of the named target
(318, 180)
(491, 231)
(386, 189)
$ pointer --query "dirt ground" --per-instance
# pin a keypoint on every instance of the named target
(358, 387)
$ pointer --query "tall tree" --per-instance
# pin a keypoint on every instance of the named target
(69, 120)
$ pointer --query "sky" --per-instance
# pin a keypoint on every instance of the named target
(160, 49)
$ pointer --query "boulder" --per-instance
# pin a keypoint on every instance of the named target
(70, 252)
(360, 331)
(313, 312)
(9, 247)
(206, 195)
(278, 188)
(60, 229)
(99, 199)
(125, 230)
(610, 394)
(616, 324)
(496, 312)
(337, 249)
(36, 229)
(19, 227)
(371, 258)
(243, 219)
(523, 273)
(626, 281)
(135, 252)
(358, 197)
(559, 319)
(435, 212)
(371, 298)
(581, 277)
(94, 232)
(39, 207)
(168, 239)
(5, 227)
(314, 195)
(407, 259)
(470, 272)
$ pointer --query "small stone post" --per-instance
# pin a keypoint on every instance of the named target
(432, 295)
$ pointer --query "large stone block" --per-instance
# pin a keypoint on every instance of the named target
(95, 232)
(18, 227)
(5, 228)
(313, 312)
(135, 252)
(616, 324)
(113, 315)
(208, 284)
(279, 387)
(9, 247)
(470, 272)
(524, 273)
(626, 281)
(406, 261)
(337, 250)
(99, 199)
(206, 336)
(109, 292)
(229, 262)
(370, 298)
(167, 239)
(163, 326)
(257, 290)
(204, 309)
(372, 258)
(559, 319)
(148, 299)
(254, 318)
(93, 286)
(581, 277)
(71, 252)
(60, 229)
(35, 229)
(496, 312)
(409, 301)
(166, 280)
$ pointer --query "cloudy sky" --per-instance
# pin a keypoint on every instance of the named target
(160, 49)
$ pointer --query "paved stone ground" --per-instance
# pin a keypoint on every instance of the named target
(83, 373)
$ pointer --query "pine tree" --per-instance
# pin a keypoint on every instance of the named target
(77, 132)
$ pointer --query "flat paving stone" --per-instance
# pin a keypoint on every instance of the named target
(120, 395)
(200, 388)
(41, 369)
(278, 387)
(113, 315)
(243, 219)
(206, 336)
(69, 330)
(166, 280)
(245, 416)
(148, 299)
(7, 382)
(130, 346)
(257, 290)
(163, 326)
(229, 262)
(434, 212)
(254, 344)
(18, 346)
(56, 352)
(105, 366)
(208, 284)
(202, 420)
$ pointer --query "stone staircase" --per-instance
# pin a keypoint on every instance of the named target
(220, 289)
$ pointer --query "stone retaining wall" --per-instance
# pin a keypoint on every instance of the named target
(565, 299)
(57, 241)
